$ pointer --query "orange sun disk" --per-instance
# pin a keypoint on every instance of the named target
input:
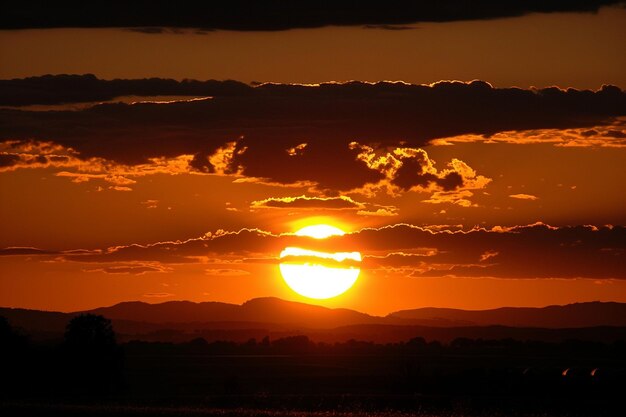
(309, 273)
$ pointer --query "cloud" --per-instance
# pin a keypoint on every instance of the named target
(70, 88)
(226, 272)
(159, 30)
(150, 204)
(459, 198)
(158, 295)
(322, 258)
(407, 168)
(487, 255)
(219, 244)
(524, 197)
(36, 155)
(411, 169)
(20, 250)
(304, 202)
(218, 161)
(119, 182)
(389, 27)
(398, 259)
(134, 269)
(338, 136)
(268, 15)
(379, 212)
(325, 203)
(297, 150)
(529, 251)
(611, 135)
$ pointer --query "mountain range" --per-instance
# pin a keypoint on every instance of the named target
(182, 320)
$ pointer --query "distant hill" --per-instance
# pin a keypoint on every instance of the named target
(183, 320)
(258, 310)
(571, 315)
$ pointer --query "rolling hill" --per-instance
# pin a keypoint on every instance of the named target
(571, 315)
(182, 320)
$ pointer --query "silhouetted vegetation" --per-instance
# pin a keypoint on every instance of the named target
(92, 357)
(89, 332)
(13, 356)
(12, 341)
(302, 345)
(464, 376)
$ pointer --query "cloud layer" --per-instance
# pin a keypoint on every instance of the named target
(531, 251)
(336, 135)
(150, 16)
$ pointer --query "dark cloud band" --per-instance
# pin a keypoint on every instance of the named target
(152, 16)
(260, 131)
(61, 89)
(530, 251)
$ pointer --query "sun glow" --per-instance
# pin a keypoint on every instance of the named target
(320, 231)
(315, 274)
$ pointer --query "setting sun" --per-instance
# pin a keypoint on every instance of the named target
(315, 274)
(320, 231)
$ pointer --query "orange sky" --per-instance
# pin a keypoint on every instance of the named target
(536, 50)
(457, 195)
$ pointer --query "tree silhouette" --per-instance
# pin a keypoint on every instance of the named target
(293, 344)
(4, 326)
(7, 335)
(13, 357)
(90, 332)
(10, 338)
(93, 359)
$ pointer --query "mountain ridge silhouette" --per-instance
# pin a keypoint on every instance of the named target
(183, 320)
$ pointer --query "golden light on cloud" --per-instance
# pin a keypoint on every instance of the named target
(319, 275)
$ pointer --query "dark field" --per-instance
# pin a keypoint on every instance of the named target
(108, 410)
(88, 373)
(483, 378)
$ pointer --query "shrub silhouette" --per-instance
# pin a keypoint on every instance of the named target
(90, 332)
(10, 339)
(13, 358)
(92, 356)
(293, 344)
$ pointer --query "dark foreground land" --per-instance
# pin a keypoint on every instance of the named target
(86, 372)
(115, 410)
(297, 377)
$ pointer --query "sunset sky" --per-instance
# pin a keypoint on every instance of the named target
(475, 157)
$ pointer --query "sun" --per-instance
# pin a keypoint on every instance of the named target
(320, 231)
(319, 275)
